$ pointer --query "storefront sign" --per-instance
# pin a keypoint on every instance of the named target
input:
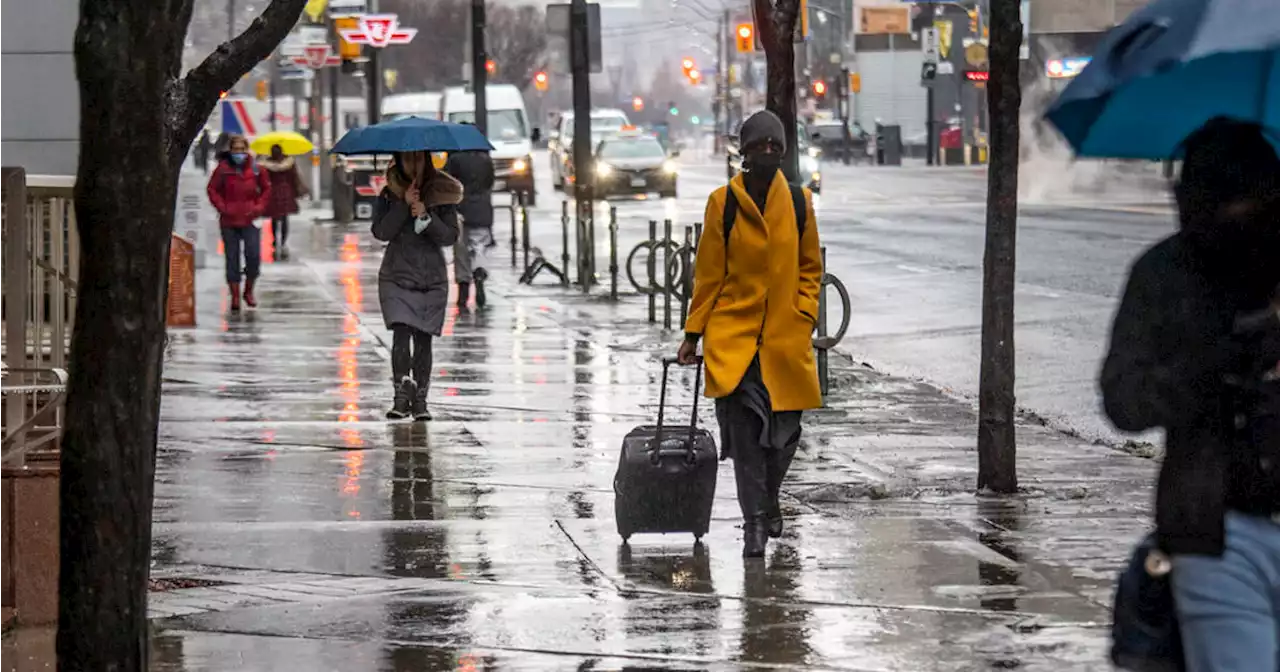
(1065, 68)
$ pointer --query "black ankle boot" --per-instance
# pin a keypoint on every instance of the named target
(773, 523)
(464, 292)
(405, 391)
(479, 277)
(420, 411)
(754, 539)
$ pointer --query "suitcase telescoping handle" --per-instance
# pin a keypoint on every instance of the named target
(662, 407)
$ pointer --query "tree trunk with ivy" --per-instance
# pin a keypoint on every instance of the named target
(997, 445)
(138, 116)
(776, 26)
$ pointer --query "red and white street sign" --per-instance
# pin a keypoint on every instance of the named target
(316, 56)
(379, 30)
(375, 186)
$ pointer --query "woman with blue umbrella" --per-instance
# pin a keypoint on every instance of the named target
(417, 216)
(1195, 347)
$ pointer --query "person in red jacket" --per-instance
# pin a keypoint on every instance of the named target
(239, 191)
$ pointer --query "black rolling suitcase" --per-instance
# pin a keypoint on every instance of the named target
(666, 478)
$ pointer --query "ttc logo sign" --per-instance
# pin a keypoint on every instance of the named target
(375, 186)
(379, 30)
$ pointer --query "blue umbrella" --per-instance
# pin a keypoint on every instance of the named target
(1168, 69)
(413, 134)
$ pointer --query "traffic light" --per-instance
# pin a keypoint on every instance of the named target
(819, 88)
(973, 21)
(637, 104)
(744, 36)
(222, 95)
(686, 65)
(695, 77)
(855, 82)
(490, 67)
(540, 80)
(262, 90)
(672, 109)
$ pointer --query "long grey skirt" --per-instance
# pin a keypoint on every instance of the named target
(749, 404)
(422, 310)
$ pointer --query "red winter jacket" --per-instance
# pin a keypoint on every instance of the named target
(239, 194)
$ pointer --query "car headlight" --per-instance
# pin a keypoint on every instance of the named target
(520, 165)
(603, 170)
(670, 167)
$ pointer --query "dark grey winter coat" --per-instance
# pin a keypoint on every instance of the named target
(413, 281)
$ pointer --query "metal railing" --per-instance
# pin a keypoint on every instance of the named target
(41, 264)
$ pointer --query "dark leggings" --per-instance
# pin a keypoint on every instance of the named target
(402, 362)
(279, 231)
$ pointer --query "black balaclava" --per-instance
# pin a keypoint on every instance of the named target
(1228, 199)
(759, 168)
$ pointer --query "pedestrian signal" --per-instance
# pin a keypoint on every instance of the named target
(855, 82)
(637, 104)
(745, 36)
(262, 89)
(540, 81)
(819, 88)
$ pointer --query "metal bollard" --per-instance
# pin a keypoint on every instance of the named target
(652, 266)
(823, 383)
(613, 253)
(524, 233)
(564, 236)
(666, 274)
(517, 205)
(686, 275)
(591, 248)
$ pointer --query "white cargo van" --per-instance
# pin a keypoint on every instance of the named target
(509, 132)
(425, 104)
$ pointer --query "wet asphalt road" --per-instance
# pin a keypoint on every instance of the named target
(296, 529)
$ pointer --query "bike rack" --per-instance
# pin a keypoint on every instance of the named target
(539, 262)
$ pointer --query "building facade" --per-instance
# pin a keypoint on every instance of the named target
(40, 127)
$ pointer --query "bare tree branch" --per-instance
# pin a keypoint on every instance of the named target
(193, 97)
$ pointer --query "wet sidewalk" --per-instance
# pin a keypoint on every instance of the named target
(295, 528)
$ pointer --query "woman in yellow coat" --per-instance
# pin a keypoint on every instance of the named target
(754, 305)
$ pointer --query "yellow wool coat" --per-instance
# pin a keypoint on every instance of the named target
(761, 294)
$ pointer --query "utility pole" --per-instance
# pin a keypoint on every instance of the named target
(373, 77)
(231, 20)
(718, 103)
(583, 166)
(273, 86)
(479, 69)
(997, 445)
(842, 102)
(930, 137)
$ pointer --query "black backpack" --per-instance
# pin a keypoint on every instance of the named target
(731, 212)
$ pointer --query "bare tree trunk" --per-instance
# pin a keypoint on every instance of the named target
(137, 119)
(997, 444)
(776, 25)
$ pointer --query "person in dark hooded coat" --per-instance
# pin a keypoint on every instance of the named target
(1195, 350)
(475, 171)
(417, 215)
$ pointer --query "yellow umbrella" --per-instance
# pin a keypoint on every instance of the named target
(292, 143)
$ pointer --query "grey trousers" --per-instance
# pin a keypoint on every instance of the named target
(469, 252)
